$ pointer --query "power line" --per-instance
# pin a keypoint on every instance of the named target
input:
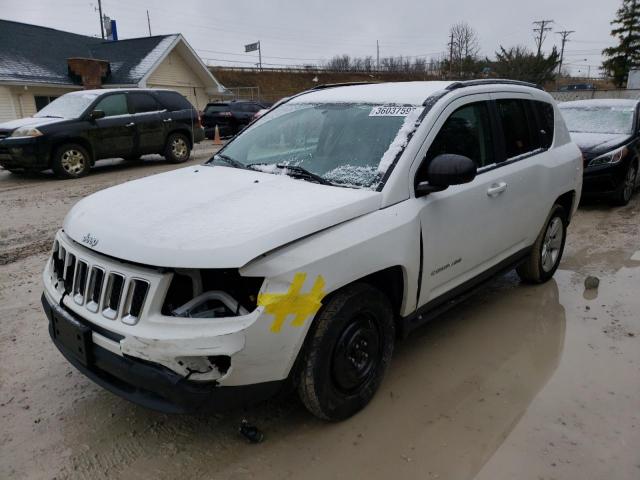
(541, 32)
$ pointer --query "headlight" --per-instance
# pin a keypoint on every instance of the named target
(610, 158)
(26, 132)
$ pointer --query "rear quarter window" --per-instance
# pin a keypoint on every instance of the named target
(174, 101)
(546, 122)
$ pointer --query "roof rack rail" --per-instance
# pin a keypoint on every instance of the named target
(491, 81)
(343, 84)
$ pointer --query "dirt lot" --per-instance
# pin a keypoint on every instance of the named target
(520, 382)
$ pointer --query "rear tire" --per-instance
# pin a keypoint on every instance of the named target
(71, 161)
(178, 148)
(546, 253)
(625, 191)
(348, 350)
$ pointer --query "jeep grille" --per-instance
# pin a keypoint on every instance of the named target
(96, 288)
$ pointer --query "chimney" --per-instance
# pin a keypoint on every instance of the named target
(89, 70)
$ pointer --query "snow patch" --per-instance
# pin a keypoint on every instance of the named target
(24, 67)
(354, 176)
(390, 93)
(401, 140)
(142, 68)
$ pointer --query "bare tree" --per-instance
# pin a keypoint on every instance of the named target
(464, 47)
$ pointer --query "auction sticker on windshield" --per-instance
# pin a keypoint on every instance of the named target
(390, 111)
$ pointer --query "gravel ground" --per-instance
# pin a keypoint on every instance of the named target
(519, 382)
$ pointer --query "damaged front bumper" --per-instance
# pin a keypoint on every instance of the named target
(169, 363)
(146, 383)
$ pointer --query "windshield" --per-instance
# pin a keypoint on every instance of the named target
(599, 119)
(216, 108)
(350, 145)
(68, 106)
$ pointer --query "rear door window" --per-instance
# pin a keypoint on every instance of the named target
(143, 102)
(113, 105)
(518, 127)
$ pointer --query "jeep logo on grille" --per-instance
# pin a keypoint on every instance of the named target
(90, 240)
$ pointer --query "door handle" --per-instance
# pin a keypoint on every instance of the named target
(496, 189)
(167, 120)
(130, 124)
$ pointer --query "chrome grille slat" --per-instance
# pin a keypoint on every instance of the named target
(69, 271)
(113, 295)
(80, 282)
(94, 289)
(134, 301)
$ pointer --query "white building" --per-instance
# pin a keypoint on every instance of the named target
(38, 64)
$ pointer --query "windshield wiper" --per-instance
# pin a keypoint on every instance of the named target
(230, 161)
(295, 171)
(303, 173)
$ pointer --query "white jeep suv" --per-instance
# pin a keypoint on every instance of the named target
(339, 221)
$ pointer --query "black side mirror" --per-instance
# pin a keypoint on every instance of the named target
(446, 170)
(96, 114)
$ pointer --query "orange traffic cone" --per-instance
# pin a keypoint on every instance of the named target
(216, 137)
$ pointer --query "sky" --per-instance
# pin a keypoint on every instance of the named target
(310, 32)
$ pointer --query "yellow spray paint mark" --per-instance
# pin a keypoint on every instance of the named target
(293, 302)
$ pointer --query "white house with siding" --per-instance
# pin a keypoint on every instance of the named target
(38, 64)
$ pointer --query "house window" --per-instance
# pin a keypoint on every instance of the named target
(42, 101)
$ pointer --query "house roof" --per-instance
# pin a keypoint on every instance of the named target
(33, 54)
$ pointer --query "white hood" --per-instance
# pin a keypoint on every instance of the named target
(209, 217)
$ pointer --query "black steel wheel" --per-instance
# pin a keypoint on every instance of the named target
(347, 352)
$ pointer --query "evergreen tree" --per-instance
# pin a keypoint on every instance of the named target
(519, 63)
(621, 58)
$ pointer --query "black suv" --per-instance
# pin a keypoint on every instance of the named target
(78, 128)
(230, 117)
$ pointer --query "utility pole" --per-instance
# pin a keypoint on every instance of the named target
(149, 22)
(260, 55)
(565, 36)
(100, 13)
(541, 32)
(377, 55)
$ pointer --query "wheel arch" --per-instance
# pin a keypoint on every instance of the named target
(58, 142)
(183, 131)
(567, 201)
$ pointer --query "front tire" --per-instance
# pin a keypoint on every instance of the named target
(178, 149)
(347, 354)
(71, 161)
(546, 253)
(625, 191)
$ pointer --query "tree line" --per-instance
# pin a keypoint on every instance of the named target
(462, 59)
(462, 62)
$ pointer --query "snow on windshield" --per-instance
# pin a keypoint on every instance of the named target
(68, 106)
(401, 140)
(348, 144)
(598, 119)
